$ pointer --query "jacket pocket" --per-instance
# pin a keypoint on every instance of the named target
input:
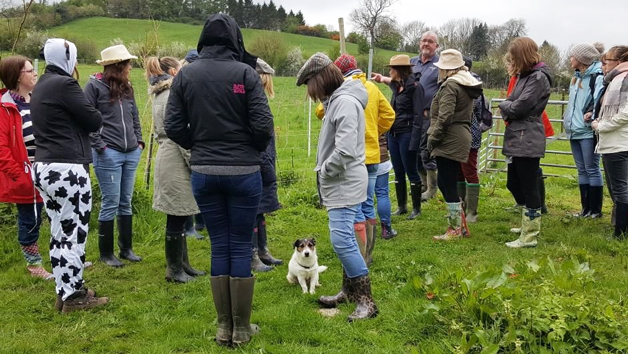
(513, 137)
(329, 187)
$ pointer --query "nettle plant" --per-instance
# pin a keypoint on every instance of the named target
(540, 306)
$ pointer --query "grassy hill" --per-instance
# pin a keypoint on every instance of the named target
(101, 30)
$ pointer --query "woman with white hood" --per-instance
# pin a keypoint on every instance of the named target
(62, 120)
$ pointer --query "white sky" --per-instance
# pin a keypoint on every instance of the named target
(560, 22)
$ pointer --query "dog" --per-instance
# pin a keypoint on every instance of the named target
(303, 267)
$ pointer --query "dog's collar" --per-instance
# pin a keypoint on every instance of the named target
(304, 266)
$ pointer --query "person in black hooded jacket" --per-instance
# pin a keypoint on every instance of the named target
(217, 108)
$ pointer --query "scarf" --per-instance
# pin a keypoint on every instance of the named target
(616, 95)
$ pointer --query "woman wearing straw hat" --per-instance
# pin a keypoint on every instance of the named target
(449, 135)
(342, 174)
(62, 119)
(116, 147)
(405, 134)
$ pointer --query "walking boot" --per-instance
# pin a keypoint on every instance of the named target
(402, 197)
(59, 300)
(359, 231)
(257, 265)
(542, 191)
(530, 229)
(415, 195)
(584, 201)
(472, 198)
(222, 301)
(454, 218)
(125, 238)
(190, 230)
(185, 260)
(174, 258)
(371, 235)
(621, 220)
(423, 175)
(432, 185)
(596, 196)
(461, 188)
(388, 232)
(262, 239)
(105, 244)
(81, 300)
(340, 298)
(360, 289)
(241, 293)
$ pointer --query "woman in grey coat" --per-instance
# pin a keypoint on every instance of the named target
(524, 138)
(172, 189)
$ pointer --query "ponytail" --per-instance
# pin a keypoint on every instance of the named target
(152, 67)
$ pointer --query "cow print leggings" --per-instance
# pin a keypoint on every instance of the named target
(67, 193)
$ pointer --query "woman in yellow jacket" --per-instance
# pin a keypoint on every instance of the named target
(379, 116)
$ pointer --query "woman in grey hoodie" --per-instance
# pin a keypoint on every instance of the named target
(342, 175)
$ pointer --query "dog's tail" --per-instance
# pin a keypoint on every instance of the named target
(322, 269)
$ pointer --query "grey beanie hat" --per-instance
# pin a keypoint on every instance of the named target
(584, 53)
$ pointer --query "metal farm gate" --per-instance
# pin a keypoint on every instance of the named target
(490, 158)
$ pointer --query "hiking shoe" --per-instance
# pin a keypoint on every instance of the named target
(81, 301)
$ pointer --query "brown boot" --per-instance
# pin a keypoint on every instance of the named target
(241, 295)
(371, 235)
(222, 301)
(340, 298)
(81, 300)
(359, 229)
(59, 301)
(360, 290)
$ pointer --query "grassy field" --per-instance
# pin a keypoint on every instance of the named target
(102, 30)
(567, 295)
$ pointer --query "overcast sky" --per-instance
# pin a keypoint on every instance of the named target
(560, 22)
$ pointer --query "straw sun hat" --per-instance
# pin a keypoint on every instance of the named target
(114, 54)
(400, 60)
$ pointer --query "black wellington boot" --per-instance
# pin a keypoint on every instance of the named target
(402, 197)
(174, 258)
(415, 194)
(596, 196)
(584, 201)
(262, 243)
(105, 244)
(125, 238)
(186, 261)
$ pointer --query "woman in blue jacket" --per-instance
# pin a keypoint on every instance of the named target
(116, 147)
(584, 93)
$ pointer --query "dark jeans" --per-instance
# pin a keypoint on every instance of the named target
(229, 207)
(403, 160)
(426, 162)
(27, 224)
(616, 166)
(523, 181)
(448, 178)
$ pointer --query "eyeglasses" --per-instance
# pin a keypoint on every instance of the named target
(611, 59)
(28, 71)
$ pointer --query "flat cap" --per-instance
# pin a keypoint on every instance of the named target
(312, 66)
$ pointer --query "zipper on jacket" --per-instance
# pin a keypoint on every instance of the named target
(14, 137)
(123, 125)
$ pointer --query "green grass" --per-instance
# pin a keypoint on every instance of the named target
(102, 30)
(148, 315)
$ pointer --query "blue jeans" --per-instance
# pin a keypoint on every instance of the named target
(404, 161)
(27, 224)
(115, 172)
(367, 208)
(587, 162)
(383, 199)
(343, 240)
(229, 207)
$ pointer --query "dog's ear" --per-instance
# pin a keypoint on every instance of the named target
(313, 241)
(296, 243)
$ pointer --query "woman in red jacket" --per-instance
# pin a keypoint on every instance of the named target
(17, 151)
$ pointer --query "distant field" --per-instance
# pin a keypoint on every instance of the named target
(102, 30)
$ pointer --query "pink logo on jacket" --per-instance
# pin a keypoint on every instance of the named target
(239, 88)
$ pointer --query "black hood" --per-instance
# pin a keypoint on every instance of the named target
(222, 32)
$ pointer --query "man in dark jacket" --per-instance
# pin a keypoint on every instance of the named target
(217, 108)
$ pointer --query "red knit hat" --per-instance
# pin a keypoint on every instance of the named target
(346, 63)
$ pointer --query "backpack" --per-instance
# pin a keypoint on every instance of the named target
(486, 117)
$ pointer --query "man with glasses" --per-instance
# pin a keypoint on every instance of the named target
(424, 64)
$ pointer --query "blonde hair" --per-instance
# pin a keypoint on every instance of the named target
(155, 66)
(524, 54)
(443, 74)
(267, 81)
